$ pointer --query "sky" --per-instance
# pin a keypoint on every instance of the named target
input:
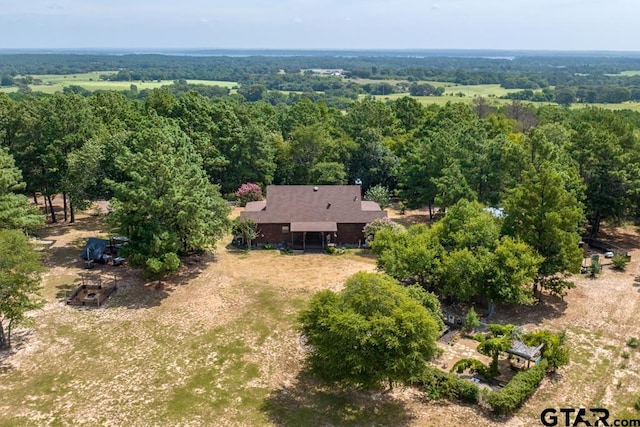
(610, 25)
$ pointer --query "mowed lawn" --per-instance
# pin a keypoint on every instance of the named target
(53, 83)
(217, 345)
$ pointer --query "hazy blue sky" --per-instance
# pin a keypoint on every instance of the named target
(315, 24)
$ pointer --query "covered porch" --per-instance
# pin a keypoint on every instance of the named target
(313, 235)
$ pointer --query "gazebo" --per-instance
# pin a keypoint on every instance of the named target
(530, 354)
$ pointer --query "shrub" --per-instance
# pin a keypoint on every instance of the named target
(633, 342)
(248, 192)
(625, 354)
(473, 365)
(638, 403)
(595, 268)
(508, 399)
(619, 262)
(376, 225)
(554, 351)
(441, 385)
(429, 301)
(244, 228)
(332, 250)
(471, 320)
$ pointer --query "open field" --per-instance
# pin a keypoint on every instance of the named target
(472, 92)
(453, 92)
(53, 83)
(217, 345)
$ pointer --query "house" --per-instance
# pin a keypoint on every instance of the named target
(306, 216)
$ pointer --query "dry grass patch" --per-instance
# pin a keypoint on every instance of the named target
(217, 345)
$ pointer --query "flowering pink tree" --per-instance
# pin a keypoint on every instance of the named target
(248, 192)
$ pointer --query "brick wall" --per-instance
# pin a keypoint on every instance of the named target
(347, 234)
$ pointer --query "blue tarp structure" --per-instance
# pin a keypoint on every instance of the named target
(94, 249)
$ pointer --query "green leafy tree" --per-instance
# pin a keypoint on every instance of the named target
(410, 112)
(468, 225)
(513, 267)
(369, 115)
(429, 301)
(555, 349)
(19, 282)
(84, 178)
(499, 341)
(376, 225)
(463, 273)
(369, 334)
(244, 228)
(51, 128)
(372, 161)
(165, 204)
(412, 256)
(471, 320)
(378, 194)
(328, 173)
(15, 210)
(542, 212)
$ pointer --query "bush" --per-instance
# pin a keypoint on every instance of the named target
(248, 192)
(508, 399)
(380, 195)
(332, 250)
(619, 262)
(441, 385)
(376, 225)
(471, 320)
(555, 351)
(633, 342)
(473, 365)
(595, 268)
(638, 403)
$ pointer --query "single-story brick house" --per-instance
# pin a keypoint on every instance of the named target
(306, 216)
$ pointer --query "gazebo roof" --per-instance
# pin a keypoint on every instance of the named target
(518, 348)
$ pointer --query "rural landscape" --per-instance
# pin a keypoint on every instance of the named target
(427, 240)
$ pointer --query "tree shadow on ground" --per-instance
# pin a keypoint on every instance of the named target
(364, 253)
(19, 339)
(94, 224)
(136, 292)
(623, 237)
(309, 403)
(547, 307)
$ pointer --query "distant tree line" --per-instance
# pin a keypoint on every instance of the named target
(80, 148)
(587, 76)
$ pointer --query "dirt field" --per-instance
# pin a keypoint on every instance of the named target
(217, 345)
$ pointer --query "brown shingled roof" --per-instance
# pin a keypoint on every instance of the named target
(307, 203)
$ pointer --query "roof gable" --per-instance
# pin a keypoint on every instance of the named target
(308, 203)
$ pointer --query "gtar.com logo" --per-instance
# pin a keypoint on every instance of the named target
(567, 417)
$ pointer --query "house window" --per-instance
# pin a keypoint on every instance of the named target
(285, 228)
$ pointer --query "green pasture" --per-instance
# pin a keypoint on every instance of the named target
(466, 94)
(628, 73)
(52, 83)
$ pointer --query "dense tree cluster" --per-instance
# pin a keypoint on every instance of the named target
(82, 148)
(265, 75)
(19, 262)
